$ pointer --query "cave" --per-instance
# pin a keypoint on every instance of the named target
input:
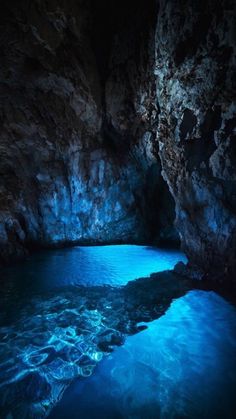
(86, 167)
(117, 209)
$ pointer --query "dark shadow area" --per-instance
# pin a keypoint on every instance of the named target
(110, 18)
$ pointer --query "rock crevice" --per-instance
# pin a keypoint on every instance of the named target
(196, 93)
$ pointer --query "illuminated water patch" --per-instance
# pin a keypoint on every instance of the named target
(182, 366)
(61, 310)
(111, 265)
(91, 265)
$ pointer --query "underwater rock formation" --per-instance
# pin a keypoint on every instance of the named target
(57, 339)
(196, 91)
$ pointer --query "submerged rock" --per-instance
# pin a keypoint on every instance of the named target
(33, 377)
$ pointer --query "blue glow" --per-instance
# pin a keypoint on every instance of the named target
(92, 265)
(183, 365)
(57, 325)
(52, 324)
(108, 265)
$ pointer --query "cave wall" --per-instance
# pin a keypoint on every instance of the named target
(196, 91)
(48, 101)
(97, 98)
(77, 115)
(131, 110)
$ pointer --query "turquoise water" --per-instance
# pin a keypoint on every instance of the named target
(91, 265)
(182, 366)
(80, 338)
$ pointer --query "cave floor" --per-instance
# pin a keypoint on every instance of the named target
(79, 340)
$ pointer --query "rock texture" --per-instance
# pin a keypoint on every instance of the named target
(195, 73)
(131, 109)
(85, 118)
(76, 132)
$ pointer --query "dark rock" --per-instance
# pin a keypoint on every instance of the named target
(77, 138)
(189, 271)
(32, 388)
(94, 110)
(109, 338)
(195, 69)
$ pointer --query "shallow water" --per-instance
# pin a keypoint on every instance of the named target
(62, 312)
(182, 366)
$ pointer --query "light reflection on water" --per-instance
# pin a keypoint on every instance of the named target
(92, 265)
(182, 366)
(63, 311)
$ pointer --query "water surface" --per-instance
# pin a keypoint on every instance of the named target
(91, 265)
(182, 366)
(75, 322)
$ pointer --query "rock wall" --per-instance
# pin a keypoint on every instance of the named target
(196, 91)
(96, 99)
(132, 110)
(76, 133)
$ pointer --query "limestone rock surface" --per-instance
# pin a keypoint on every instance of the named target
(196, 92)
(76, 132)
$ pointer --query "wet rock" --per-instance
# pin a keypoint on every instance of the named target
(32, 388)
(189, 271)
(62, 370)
(108, 339)
(34, 376)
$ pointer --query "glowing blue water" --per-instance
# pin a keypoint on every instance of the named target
(92, 265)
(56, 323)
(182, 366)
(57, 326)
